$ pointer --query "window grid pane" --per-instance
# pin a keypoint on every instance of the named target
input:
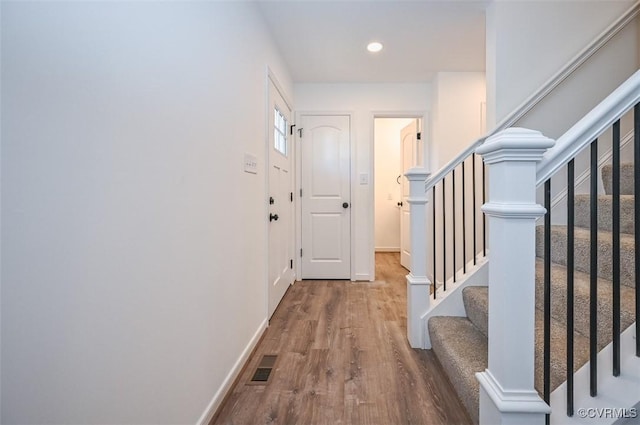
(280, 133)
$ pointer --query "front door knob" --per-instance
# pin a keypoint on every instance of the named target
(400, 203)
(273, 217)
(345, 205)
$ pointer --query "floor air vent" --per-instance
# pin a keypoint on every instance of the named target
(263, 372)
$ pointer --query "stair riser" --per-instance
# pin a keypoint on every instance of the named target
(582, 256)
(477, 302)
(626, 179)
(605, 220)
(476, 306)
(582, 304)
(558, 363)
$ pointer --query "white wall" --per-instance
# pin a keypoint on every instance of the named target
(456, 123)
(388, 166)
(133, 245)
(456, 119)
(364, 101)
(529, 41)
(543, 37)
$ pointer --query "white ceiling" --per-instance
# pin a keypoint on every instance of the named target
(325, 41)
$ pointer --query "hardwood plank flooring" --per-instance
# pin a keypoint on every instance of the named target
(343, 358)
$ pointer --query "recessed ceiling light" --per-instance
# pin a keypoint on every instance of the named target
(374, 47)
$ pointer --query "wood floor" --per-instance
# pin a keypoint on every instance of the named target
(343, 358)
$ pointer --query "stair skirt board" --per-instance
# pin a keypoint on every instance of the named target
(449, 302)
(622, 392)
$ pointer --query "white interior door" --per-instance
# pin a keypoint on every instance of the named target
(326, 197)
(408, 137)
(280, 198)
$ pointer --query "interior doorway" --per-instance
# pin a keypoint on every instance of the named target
(396, 149)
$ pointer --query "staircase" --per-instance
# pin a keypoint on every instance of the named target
(460, 343)
(509, 378)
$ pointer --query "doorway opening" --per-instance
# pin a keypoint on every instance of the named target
(396, 149)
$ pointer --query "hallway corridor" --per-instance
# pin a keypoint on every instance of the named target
(343, 358)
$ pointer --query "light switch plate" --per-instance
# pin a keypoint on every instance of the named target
(250, 164)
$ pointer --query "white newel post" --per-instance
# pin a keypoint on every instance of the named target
(507, 392)
(418, 283)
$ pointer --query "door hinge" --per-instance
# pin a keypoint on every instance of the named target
(301, 193)
(291, 264)
(300, 132)
(419, 136)
(291, 129)
(291, 196)
(300, 252)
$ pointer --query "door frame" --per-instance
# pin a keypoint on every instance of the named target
(298, 186)
(271, 78)
(426, 138)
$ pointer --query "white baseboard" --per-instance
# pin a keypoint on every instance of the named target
(231, 377)
(359, 277)
(387, 249)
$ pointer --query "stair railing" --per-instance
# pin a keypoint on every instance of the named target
(442, 249)
(519, 161)
(604, 118)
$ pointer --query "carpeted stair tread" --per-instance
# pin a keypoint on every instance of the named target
(605, 212)
(457, 343)
(476, 304)
(460, 343)
(477, 301)
(582, 254)
(581, 301)
(462, 350)
(626, 178)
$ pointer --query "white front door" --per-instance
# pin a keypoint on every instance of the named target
(280, 198)
(408, 137)
(326, 200)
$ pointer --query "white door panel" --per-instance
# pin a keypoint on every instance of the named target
(324, 143)
(326, 236)
(281, 229)
(326, 203)
(408, 137)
